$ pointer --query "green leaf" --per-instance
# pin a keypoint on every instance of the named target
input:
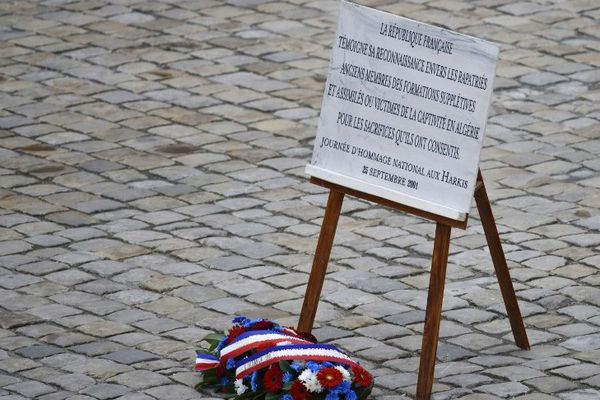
(362, 393)
(210, 380)
(212, 337)
(285, 367)
(247, 395)
(210, 373)
(258, 396)
(199, 385)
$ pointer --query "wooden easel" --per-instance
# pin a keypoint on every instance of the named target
(437, 278)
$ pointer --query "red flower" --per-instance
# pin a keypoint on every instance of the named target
(234, 332)
(299, 391)
(361, 376)
(329, 377)
(262, 325)
(273, 380)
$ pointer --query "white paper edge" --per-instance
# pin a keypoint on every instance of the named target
(386, 193)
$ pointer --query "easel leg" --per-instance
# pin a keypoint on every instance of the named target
(435, 297)
(319, 267)
(499, 261)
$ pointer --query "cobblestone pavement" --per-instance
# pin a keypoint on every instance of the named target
(152, 186)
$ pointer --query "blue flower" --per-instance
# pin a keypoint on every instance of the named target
(351, 395)
(313, 366)
(342, 388)
(287, 377)
(254, 381)
(296, 366)
(332, 396)
(240, 320)
(287, 397)
(223, 381)
(230, 363)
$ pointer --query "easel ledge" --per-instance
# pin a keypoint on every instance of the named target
(437, 277)
(391, 204)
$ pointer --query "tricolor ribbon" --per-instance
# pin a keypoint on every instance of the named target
(206, 361)
(313, 352)
(257, 340)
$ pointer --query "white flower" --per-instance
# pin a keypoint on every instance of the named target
(345, 373)
(306, 374)
(240, 387)
(310, 381)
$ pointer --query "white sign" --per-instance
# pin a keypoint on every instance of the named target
(404, 111)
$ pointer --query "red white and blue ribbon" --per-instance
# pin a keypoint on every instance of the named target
(206, 361)
(257, 340)
(312, 352)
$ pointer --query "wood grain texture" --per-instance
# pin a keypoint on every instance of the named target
(499, 261)
(435, 298)
(319, 266)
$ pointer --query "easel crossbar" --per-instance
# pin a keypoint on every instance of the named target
(391, 204)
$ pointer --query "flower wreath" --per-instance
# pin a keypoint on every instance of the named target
(258, 359)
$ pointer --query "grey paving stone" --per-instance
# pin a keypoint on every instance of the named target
(41, 267)
(551, 384)
(581, 394)
(578, 371)
(95, 206)
(69, 277)
(39, 351)
(100, 287)
(508, 389)
(163, 283)
(159, 325)
(168, 391)
(467, 380)
(396, 381)
(72, 382)
(349, 298)
(13, 320)
(106, 268)
(14, 281)
(105, 390)
(475, 341)
(516, 373)
(67, 339)
(406, 318)
(104, 329)
(30, 389)
(140, 379)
